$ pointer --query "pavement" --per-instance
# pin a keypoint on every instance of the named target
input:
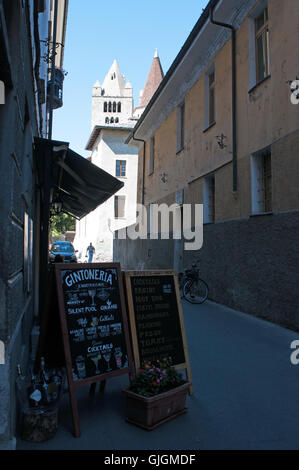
(245, 394)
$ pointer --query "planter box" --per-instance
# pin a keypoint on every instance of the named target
(149, 413)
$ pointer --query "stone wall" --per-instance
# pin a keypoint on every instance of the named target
(20, 121)
(250, 264)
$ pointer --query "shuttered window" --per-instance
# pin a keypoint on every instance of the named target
(262, 45)
(209, 199)
(119, 207)
(210, 97)
(261, 182)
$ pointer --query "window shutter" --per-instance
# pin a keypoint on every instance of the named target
(119, 206)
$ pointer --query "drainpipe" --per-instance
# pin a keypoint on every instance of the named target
(143, 173)
(234, 97)
(52, 88)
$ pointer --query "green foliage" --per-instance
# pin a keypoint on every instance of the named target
(153, 379)
(61, 223)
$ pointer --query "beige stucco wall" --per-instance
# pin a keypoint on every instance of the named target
(265, 116)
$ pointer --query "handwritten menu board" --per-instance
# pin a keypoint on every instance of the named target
(156, 320)
(94, 325)
(94, 319)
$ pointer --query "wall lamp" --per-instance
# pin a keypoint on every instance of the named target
(221, 141)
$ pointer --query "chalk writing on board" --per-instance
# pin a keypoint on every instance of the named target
(94, 321)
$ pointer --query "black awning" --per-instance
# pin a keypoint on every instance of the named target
(80, 185)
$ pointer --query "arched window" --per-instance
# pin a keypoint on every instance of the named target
(116, 120)
(112, 120)
(110, 107)
(107, 120)
(105, 107)
(114, 107)
(119, 107)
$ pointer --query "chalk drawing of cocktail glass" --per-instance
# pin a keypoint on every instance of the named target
(95, 359)
(126, 361)
(92, 294)
(81, 367)
(94, 321)
(107, 357)
(118, 355)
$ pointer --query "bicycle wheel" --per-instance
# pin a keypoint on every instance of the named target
(195, 292)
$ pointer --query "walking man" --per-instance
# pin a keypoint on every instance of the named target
(90, 250)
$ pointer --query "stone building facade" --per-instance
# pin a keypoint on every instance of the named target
(113, 119)
(227, 136)
(23, 116)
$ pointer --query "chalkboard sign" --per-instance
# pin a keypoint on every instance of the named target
(156, 319)
(94, 323)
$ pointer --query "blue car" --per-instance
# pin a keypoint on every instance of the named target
(64, 249)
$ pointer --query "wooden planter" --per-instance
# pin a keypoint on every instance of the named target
(149, 413)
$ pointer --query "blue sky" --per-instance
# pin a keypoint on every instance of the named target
(129, 31)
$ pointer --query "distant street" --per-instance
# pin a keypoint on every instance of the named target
(246, 393)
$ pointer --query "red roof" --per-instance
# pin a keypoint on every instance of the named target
(154, 79)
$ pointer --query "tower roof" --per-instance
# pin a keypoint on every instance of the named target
(154, 79)
(114, 82)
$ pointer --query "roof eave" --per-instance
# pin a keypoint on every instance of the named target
(97, 130)
(186, 46)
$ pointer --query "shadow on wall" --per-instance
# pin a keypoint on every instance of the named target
(250, 265)
(143, 254)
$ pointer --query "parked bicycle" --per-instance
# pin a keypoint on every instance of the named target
(194, 289)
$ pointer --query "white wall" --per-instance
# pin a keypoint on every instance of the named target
(98, 226)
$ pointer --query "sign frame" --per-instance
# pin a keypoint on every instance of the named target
(74, 384)
(133, 327)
